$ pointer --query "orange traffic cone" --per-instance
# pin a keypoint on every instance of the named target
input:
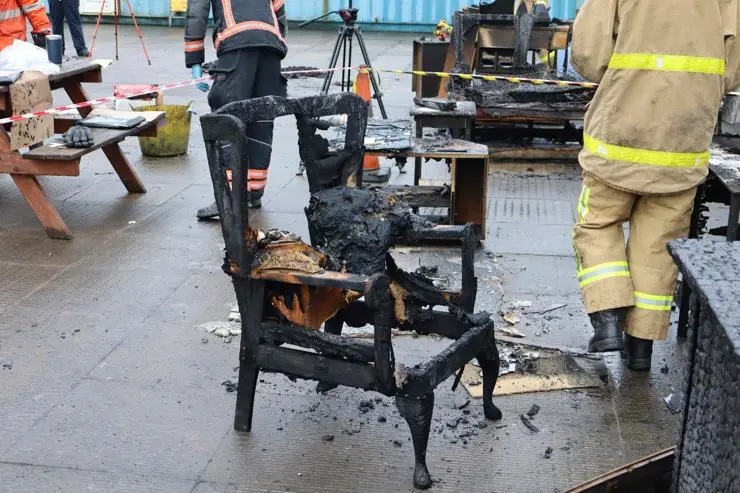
(371, 164)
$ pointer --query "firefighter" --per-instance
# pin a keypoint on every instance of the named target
(646, 149)
(13, 15)
(250, 45)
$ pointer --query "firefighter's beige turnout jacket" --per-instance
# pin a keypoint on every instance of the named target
(663, 69)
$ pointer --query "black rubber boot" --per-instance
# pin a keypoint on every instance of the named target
(607, 326)
(639, 352)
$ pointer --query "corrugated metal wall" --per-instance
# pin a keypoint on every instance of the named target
(381, 14)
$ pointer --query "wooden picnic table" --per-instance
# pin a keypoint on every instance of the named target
(55, 160)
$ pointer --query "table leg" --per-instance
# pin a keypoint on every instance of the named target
(686, 301)
(78, 94)
(46, 213)
(417, 161)
(470, 192)
(732, 223)
(125, 171)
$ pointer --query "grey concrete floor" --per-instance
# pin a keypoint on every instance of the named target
(107, 383)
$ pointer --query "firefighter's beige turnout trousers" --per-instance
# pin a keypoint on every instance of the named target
(642, 275)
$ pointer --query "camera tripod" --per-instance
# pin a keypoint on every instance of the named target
(347, 32)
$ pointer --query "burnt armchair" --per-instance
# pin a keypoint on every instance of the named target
(288, 290)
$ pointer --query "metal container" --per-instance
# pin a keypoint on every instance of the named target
(54, 48)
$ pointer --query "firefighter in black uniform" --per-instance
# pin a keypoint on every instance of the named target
(250, 44)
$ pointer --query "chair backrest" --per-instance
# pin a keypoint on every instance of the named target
(227, 126)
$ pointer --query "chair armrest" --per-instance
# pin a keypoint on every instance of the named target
(337, 280)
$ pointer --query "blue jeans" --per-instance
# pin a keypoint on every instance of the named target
(70, 10)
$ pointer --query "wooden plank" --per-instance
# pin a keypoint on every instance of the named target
(327, 279)
(12, 162)
(327, 344)
(636, 476)
(421, 196)
(427, 148)
(310, 366)
(554, 152)
(46, 213)
(103, 137)
(553, 111)
(471, 178)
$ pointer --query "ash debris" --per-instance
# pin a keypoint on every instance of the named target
(359, 226)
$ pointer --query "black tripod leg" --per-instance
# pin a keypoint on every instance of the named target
(333, 63)
(373, 80)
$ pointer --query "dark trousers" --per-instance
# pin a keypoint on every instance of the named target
(70, 10)
(246, 74)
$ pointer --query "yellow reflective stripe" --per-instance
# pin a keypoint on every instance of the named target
(583, 203)
(603, 271)
(667, 63)
(653, 302)
(644, 156)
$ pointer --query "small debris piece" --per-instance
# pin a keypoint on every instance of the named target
(548, 452)
(512, 332)
(664, 370)
(328, 438)
(481, 424)
(204, 340)
(229, 385)
(512, 318)
(398, 443)
(551, 309)
(673, 403)
(453, 422)
(382, 419)
(464, 404)
(7, 366)
(227, 340)
(515, 304)
(366, 405)
(528, 423)
(222, 332)
(533, 411)
(427, 270)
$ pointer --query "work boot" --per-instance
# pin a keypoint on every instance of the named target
(607, 326)
(639, 352)
(255, 203)
(83, 53)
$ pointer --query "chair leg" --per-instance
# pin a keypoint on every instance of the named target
(490, 364)
(417, 411)
(247, 388)
(332, 326)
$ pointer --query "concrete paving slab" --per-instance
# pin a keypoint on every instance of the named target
(550, 240)
(44, 479)
(130, 430)
(530, 211)
(539, 274)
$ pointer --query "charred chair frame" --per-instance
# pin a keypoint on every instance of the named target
(337, 360)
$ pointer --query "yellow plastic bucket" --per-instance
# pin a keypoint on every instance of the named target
(172, 137)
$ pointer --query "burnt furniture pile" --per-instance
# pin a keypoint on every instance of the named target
(287, 290)
(490, 39)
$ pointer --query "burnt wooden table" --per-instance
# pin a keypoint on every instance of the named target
(467, 201)
(722, 186)
(55, 160)
(708, 451)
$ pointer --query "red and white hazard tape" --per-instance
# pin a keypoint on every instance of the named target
(143, 92)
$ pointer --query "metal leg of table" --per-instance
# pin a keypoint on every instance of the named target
(686, 298)
(732, 222)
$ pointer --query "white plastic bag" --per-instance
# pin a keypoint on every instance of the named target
(26, 56)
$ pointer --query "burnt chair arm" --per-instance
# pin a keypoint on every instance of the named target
(338, 280)
(232, 204)
(469, 237)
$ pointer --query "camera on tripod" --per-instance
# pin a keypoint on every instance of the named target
(347, 32)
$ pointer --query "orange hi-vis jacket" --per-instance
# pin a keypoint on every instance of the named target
(13, 14)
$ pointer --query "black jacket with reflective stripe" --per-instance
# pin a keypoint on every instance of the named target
(239, 24)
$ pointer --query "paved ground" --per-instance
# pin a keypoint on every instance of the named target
(108, 385)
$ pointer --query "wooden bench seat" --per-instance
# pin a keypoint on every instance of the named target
(55, 150)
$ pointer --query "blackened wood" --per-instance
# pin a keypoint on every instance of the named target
(469, 287)
(490, 364)
(309, 366)
(418, 411)
(423, 378)
(250, 295)
(435, 322)
(327, 344)
(327, 279)
(380, 301)
(422, 196)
